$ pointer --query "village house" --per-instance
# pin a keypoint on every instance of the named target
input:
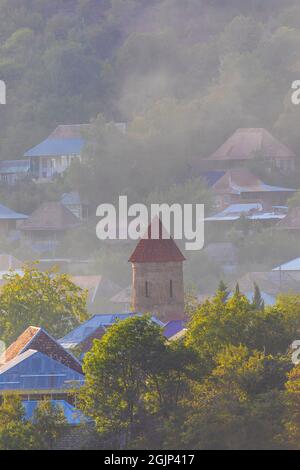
(290, 269)
(13, 171)
(99, 289)
(253, 212)
(123, 299)
(157, 277)
(81, 338)
(247, 144)
(271, 284)
(54, 155)
(45, 227)
(240, 186)
(36, 366)
(9, 221)
(73, 202)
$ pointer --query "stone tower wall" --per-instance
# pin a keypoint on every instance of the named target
(159, 301)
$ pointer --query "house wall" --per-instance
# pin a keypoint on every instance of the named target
(155, 296)
(48, 167)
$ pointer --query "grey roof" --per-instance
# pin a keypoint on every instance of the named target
(14, 166)
(6, 213)
(293, 265)
(71, 198)
(80, 333)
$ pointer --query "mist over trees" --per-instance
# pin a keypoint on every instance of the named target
(182, 75)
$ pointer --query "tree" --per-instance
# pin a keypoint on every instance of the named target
(15, 432)
(47, 299)
(132, 377)
(215, 325)
(49, 423)
(222, 291)
(240, 404)
(257, 302)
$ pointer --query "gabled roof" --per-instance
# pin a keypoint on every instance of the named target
(9, 214)
(33, 370)
(70, 131)
(64, 140)
(211, 177)
(173, 327)
(242, 180)
(96, 285)
(123, 296)
(56, 147)
(156, 250)
(39, 340)
(245, 143)
(270, 282)
(291, 220)
(85, 330)
(293, 265)
(14, 166)
(50, 216)
(71, 198)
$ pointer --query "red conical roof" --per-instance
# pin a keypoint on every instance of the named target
(156, 250)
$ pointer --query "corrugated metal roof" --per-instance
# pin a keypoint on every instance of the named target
(79, 334)
(72, 415)
(9, 214)
(293, 265)
(56, 147)
(173, 327)
(14, 166)
(33, 370)
(71, 198)
(39, 340)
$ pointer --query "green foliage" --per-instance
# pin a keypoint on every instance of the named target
(15, 432)
(46, 299)
(49, 423)
(132, 375)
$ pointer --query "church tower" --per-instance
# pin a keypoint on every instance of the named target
(157, 277)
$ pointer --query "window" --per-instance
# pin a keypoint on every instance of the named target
(147, 289)
(171, 288)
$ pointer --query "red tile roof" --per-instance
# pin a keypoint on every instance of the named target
(156, 250)
(39, 340)
(246, 142)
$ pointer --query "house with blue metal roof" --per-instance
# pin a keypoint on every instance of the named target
(54, 155)
(82, 337)
(12, 171)
(9, 219)
(33, 371)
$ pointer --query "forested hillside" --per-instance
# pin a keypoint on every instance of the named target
(198, 65)
(182, 75)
